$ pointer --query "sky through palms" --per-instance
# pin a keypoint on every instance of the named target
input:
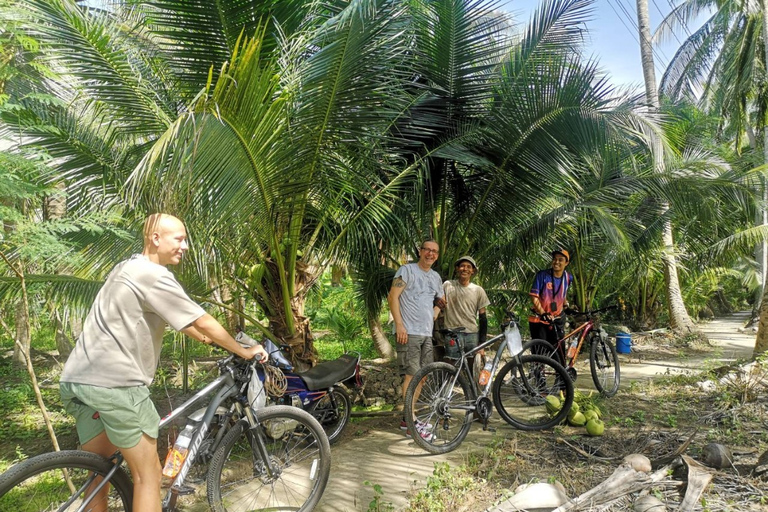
(613, 38)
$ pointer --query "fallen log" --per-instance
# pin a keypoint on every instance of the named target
(623, 481)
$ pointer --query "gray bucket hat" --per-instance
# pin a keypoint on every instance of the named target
(466, 258)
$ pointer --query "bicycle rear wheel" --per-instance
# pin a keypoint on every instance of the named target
(604, 365)
(442, 408)
(521, 388)
(51, 480)
(298, 450)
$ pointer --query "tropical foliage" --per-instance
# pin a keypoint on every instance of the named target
(294, 135)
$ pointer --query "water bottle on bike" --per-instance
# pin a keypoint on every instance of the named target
(178, 453)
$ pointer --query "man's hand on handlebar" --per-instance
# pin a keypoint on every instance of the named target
(547, 317)
(256, 352)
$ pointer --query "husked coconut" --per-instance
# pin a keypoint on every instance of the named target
(649, 503)
(638, 462)
(538, 497)
(716, 455)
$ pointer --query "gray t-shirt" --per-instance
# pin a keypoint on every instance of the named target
(417, 299)
(123, 332)
(463, 304)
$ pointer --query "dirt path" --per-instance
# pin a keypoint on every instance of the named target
(379, 453)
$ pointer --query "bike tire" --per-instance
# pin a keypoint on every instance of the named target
(538, 347)
(38, 483)
(333, 419)
(604, 365)
(527, 410)
(297, 445)
(443, 410)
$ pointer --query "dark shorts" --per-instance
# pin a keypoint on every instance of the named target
(468, 340)
(124, 413)
(414, 354)
(546, 332)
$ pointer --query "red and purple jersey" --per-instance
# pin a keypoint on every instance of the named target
(551, 291)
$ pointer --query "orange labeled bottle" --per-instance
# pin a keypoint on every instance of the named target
(572, 349)
(485, 373)
(178, 453)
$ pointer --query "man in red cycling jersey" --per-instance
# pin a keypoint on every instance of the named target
(549, 296)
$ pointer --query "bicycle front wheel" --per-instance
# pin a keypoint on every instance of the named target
(61, 481)
(604, 365)
(438, 407)
(298, 451)
(521, 388)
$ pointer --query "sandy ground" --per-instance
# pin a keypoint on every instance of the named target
(375, 451)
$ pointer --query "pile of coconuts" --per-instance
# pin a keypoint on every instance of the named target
(584, 413)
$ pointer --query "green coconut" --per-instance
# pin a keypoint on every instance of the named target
(595, 427)
(593, 407)
(577, 420)
(553, 404)
(589, 414)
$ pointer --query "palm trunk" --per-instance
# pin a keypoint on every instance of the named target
(63, 344)
(55, 208)
(22, 338)
(380, 341)
(761, 340)
(293, 330)
(678, 316)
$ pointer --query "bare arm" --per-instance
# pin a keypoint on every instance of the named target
(208, 330)
(537, 307)
(398, 285)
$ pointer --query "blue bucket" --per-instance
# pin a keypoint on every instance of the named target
(623, 343)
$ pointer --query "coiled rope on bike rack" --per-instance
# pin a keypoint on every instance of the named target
(274, 381)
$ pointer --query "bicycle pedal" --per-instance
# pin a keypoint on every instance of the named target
(184, 490)
(492, 430)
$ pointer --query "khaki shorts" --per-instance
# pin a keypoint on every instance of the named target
(124, 413)
(414, 354)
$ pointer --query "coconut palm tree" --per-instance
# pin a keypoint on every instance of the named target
(723, 63)
(276, 155)
(678, 315)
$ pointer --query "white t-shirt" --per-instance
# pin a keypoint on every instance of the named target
(462, 305)
(417, 299)
(123, 332)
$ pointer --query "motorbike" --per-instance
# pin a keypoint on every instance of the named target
(317, 390)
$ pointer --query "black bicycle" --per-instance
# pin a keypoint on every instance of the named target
(442, 399)
(275, 458)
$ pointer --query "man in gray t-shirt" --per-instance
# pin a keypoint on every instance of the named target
(105, 380)
(415, 292)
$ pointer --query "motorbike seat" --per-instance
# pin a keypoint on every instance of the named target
(328, 373)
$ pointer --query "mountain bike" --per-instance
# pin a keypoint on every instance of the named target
(275, 458)
(603, 359)
(442, 399)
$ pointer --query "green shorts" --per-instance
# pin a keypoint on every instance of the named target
(124, 413)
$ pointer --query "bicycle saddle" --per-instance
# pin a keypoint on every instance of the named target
(455, 330)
